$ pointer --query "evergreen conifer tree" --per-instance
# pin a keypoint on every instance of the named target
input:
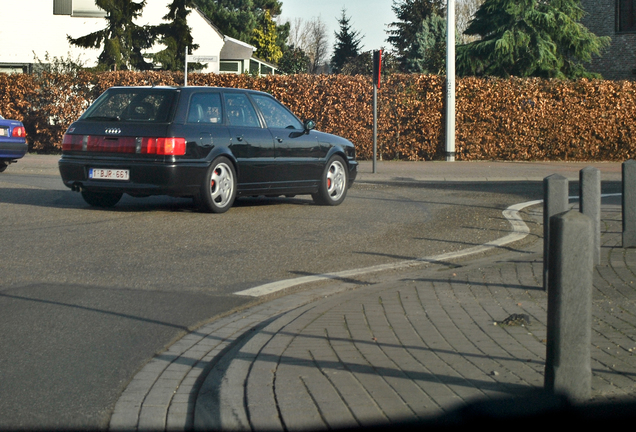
(175, 35)
(428, 51)
(524, 38)
(410, 15)
(347, 44)
(239, 18)
(122, 39)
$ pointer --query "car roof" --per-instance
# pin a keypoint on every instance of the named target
(191, 88)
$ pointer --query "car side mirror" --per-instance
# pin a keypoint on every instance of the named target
(309, 125)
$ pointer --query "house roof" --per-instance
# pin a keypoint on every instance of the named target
(210, 23)
(236, 49)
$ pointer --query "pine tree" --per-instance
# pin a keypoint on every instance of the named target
(410, 15)
(264, 38)
(428, 51)
(175, 35)
(347, 44)
(239, 18)
(524, 38)
(122, 39)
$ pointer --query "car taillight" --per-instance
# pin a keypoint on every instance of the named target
(169, 146)
(72, 142)
(163, 146)
(18, 132)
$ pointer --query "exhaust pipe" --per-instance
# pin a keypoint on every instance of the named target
(77, 187)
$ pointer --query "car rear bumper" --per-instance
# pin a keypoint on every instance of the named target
(146, 177)
(12, 149)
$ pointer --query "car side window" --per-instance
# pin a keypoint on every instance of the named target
(240, 111)
(205, 108)
(275, 114)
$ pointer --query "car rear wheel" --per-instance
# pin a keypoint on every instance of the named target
(3, 166)
(101, 199)
(218, 190)
(333, 184)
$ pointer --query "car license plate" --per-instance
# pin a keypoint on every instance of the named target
(108, 174)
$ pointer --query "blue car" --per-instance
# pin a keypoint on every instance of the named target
(13, 143)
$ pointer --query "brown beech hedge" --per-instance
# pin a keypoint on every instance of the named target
(502, 119)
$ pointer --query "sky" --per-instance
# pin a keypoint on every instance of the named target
(369, 17)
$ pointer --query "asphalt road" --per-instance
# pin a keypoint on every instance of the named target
(88, 296)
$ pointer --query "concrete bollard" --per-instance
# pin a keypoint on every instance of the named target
(590, 205)
(629, 203)
(568, 365)
(555, 200)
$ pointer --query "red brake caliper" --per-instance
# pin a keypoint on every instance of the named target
(212, 182)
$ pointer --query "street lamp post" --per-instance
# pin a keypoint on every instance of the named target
(450, 80)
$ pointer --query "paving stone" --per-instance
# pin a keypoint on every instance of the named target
(420, 344)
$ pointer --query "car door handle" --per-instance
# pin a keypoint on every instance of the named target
(239, 138)
(280, 140)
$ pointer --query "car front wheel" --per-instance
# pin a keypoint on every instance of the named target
(333, 184)
(3, 166)
(101, 199)
(218, 190)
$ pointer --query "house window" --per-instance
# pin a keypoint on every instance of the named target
(626, 15)
(266, 70)
(254, 67)
(230, 67)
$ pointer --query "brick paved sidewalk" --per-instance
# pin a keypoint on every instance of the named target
(410, 347)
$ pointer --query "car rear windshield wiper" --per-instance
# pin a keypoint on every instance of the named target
(104, 118)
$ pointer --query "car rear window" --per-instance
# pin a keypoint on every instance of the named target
(138, 105)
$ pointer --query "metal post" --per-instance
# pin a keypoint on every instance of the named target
(185, 73)
(377, 77)
(569, 334)
(590, 204)
(629, 203)
(555, 201)
(375, 126)
(450, 80)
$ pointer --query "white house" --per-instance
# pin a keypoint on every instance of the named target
(26, 42)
